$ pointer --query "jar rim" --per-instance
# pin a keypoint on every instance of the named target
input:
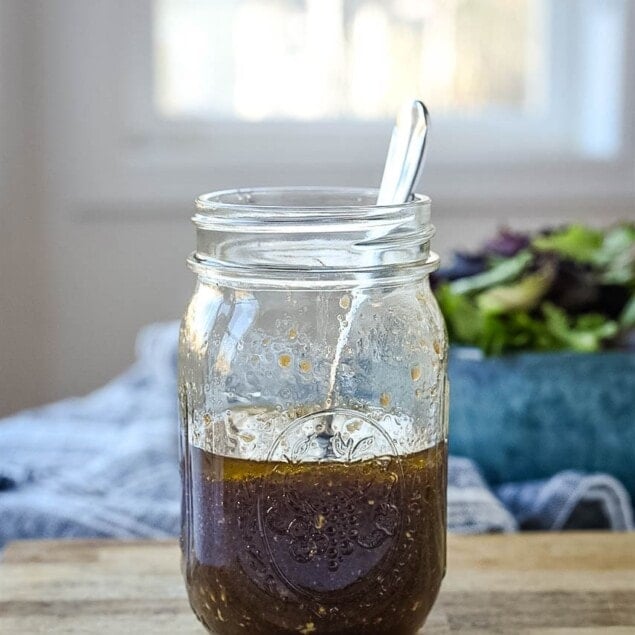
(308, 236)
(258, 205)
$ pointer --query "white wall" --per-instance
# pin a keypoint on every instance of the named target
(93, 242)
(23, 345)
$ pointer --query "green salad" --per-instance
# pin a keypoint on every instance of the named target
(570, 288)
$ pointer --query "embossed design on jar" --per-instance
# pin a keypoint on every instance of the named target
(332, 435)
(328, 526)
(329, 539)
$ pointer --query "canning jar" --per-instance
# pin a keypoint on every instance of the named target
(313, 396)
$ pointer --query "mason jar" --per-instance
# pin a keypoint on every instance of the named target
(313, 397)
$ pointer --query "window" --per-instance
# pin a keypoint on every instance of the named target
(505, 80)
(330, 59)
(526, 96)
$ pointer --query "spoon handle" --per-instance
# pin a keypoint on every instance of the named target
(405, 154)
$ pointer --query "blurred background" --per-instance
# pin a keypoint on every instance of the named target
(115, 114)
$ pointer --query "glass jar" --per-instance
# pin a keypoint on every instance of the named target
(313, 395)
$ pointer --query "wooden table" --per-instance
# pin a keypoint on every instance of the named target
(543, 584)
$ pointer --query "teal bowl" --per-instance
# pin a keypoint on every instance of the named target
(530, 415)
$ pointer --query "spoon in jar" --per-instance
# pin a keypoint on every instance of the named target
(402, 170)
(406, 154)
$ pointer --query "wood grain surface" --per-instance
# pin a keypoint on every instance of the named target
(539, 584)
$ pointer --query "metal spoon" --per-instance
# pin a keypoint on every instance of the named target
(404, 161)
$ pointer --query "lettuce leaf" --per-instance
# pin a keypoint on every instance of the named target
(517, 329)
(576, 242)
(502, 271)
(585, 334)
(617, 256)
(522, 295)
(627, 316)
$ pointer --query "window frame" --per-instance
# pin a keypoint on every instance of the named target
(546, 163)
